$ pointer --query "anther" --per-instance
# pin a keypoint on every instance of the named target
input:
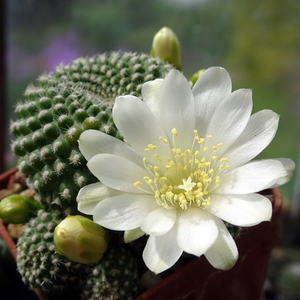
(174, 131)
(136, 184)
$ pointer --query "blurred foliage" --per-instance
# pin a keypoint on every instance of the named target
(31, 22)
(265, 40)
(264, 55)
(105, 25)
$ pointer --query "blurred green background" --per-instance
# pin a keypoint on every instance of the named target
(257, 41)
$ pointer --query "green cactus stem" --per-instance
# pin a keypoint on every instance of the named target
(63, 104)
(38, 263)
(113, 278)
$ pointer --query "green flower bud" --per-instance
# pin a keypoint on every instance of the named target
(81, 240)
(17, 209)
(196, 76)
(166, 46)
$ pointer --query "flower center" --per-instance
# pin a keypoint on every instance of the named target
(186, 177)
(187, 184)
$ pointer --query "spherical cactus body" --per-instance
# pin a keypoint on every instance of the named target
(114, 278)
(38, 264)
(63, 104)
(50, 119)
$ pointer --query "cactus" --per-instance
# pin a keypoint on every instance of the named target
(50, 119)
(54, 113)
(37, 261)
(114, 278)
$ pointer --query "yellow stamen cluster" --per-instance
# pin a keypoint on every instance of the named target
(185, 178)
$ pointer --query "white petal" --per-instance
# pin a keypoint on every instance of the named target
(210, 89)
(177, 109)
(123, 212)
(223, 254)
(230, 118)
(93, 142)
(241, 210)
(197, 231)
(118, 173)
(137, 123)
(90, 195)
(258, 134)
(150, 95)
(252, 177)
(162, 252)
(159, 221)
(289, 166)
(133, 234)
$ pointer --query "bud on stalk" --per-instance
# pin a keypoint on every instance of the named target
(80, 239)
(17, 209)
(166, 46)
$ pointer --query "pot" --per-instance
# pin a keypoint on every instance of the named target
(198, 280)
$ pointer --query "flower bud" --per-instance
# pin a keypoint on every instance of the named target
(196, 76)
(166, 46)
(81, 240)
(17, 209)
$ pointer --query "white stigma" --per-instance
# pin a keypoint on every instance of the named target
(187, 184)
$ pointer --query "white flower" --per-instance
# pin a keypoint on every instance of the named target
(186, 170)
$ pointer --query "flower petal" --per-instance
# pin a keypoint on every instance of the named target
(137, 123)
(252, 177)
(93, 142)
(197, 231)
(159, 221)
(258, 134)
(210, 89)
(223, 254)
(289, 166)
(123, 212)
(133, 234)
(162, 252)
(233, 114)
(90, 195)
(176, 105)
(150, 95)
(241, 210)
(118, 173)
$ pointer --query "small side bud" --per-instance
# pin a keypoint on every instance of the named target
(17, 209)
(81, 240)
(167, 47)
(196, 76)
